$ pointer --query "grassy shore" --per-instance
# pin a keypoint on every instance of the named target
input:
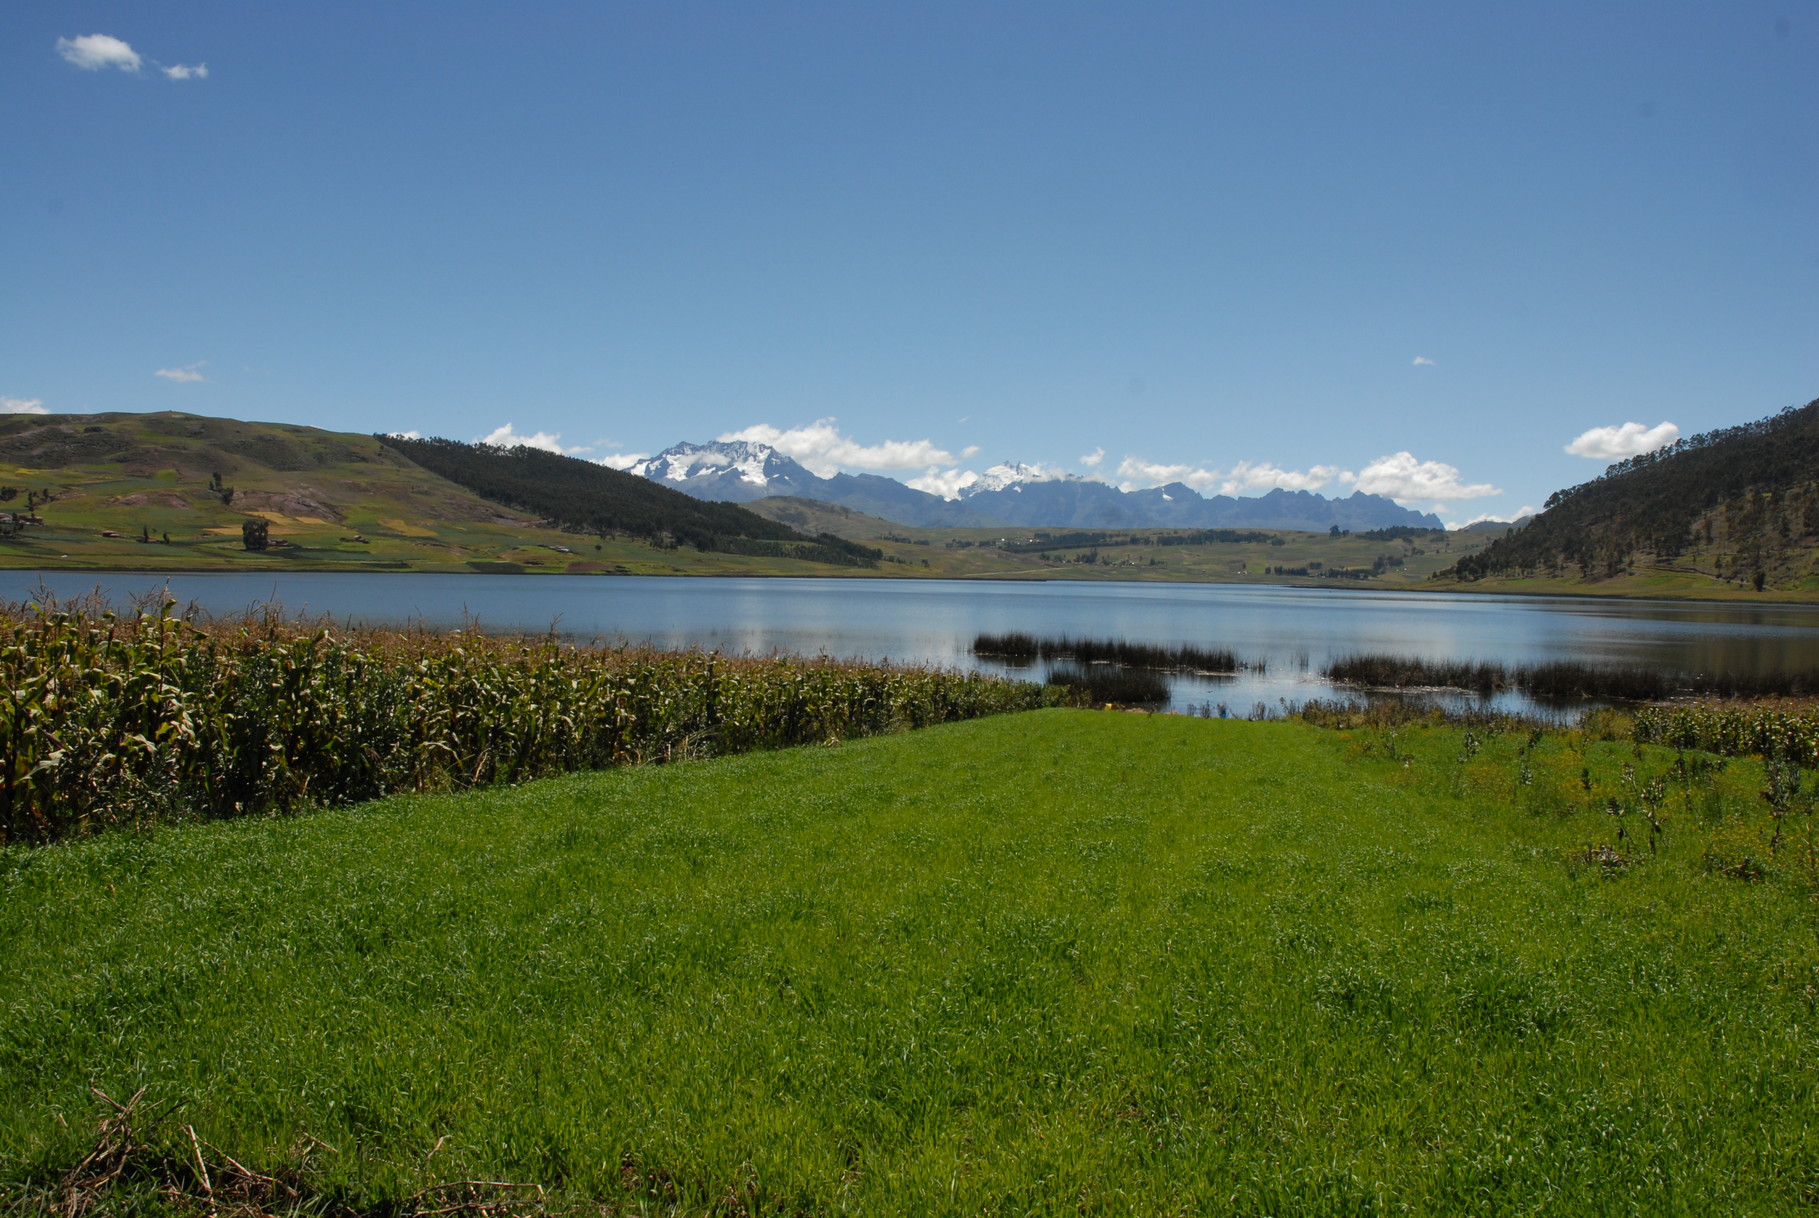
(1058, 962)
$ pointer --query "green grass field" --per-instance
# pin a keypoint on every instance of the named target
(1059, 962)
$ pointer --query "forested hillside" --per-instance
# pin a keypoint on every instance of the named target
(1739, 507)
(592, 498)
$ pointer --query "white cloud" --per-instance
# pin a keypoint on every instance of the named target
(1264, 476)
(824, 451)
(22, 406)
(184, 375)
(1092, 459)
(1615, 443)
(1244, 476)
(1499, 517)
(97, 51)
(1138, 473)
(1422, 361)
(548, 441)
(945, 483)
(178, 71)
(621, 460)
(412, 434)
(1400, 476)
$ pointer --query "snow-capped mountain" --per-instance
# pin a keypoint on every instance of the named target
(1008, 474)
(1010, 493)
(729, 471)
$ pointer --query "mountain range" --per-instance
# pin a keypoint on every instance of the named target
(741, 471)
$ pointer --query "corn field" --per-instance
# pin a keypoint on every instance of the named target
(1786, 732)
(113, 719)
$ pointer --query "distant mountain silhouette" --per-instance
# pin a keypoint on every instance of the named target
(741, 471)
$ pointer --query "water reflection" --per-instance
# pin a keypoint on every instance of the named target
(1293, 632)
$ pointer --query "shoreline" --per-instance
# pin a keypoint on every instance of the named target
(1740, 597)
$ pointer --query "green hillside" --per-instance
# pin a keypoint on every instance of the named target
(174, 492)
(1730, 512)
(591, 498)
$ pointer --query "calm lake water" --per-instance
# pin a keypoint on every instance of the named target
(1292, 631)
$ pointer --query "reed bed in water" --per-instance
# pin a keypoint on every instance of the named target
(1020, 646)
(1104, 683)
(131, 718)
(1563, 680)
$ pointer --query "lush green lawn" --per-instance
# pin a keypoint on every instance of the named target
(1054, 962)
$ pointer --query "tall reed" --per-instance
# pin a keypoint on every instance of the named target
(1020, 646)
(110, 719)
(1563, 680)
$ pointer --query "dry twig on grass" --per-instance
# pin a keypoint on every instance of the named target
(89, 1182)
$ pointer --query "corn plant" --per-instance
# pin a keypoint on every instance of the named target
(117, 719)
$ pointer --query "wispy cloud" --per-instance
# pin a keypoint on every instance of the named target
(824, 450)
(1422, 361)
(548, 441)
(1400, 476)
(1092, 459)
(184, 375)
(412, 434)
(96, 51)
(1629, 440)
(93, 52)
(22, 406)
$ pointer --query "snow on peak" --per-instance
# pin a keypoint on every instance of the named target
(749, 461)
(1010, 474)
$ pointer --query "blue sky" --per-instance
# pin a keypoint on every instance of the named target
(1419, 249)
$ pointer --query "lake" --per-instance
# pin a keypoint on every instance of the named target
(1292, 632)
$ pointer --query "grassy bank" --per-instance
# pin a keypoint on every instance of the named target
(1058, 962)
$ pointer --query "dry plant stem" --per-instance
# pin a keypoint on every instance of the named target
(208, 1186)
(473, 1203)
(89, 1181)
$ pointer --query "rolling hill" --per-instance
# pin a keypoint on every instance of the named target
(1729, 511)
(170, 491)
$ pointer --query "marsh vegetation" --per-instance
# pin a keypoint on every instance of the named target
(111, 719)
(1564, 680)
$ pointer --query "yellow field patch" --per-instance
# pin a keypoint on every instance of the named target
(409, 530)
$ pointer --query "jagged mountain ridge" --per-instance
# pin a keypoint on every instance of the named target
(1010, 493)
